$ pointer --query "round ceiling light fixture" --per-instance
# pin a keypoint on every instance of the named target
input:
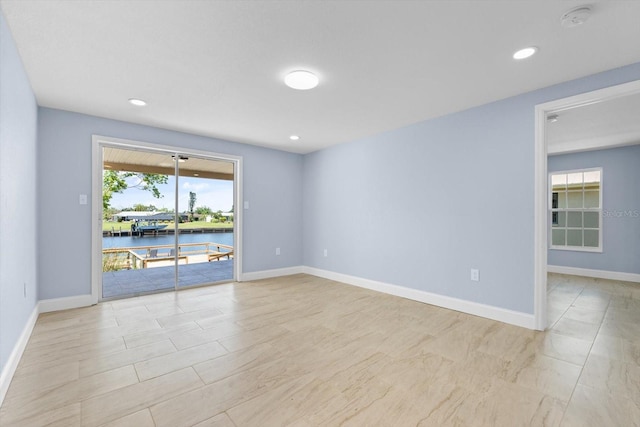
(301, 80)
(294, 137)
(525, 53)
(137, 102)
(575, 17)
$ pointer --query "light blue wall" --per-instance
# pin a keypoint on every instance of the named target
(621, 209)
(18, 135)
(422, 205)
(417, 207)
(271, 183)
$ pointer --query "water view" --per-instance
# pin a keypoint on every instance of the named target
(166, 239)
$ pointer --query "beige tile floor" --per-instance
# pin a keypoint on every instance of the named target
(305, 351)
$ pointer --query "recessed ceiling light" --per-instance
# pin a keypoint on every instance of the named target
(196, 174)
(525, 53)
(301, 80)
(137, 102)
(294, 137)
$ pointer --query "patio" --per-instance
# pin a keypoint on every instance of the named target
(145, 280)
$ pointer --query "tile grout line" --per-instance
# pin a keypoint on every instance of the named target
(587, 359)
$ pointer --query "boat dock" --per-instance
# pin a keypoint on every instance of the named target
(168, 231)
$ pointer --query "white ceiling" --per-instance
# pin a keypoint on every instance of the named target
(215, 68)
(612, 123)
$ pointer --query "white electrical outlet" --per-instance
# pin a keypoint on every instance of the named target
(326, 253)
(277, 251)
(82, 199)
(475, 275)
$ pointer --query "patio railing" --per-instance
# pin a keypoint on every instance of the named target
(144, 256)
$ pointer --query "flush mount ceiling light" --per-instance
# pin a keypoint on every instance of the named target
(525, 53)
(301, 80)
(137, 102)
(552, 118)
(575, 17)
(294, 137)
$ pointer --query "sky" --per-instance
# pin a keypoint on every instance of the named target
(213, 193)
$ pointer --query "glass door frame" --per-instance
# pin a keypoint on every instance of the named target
(100, 142)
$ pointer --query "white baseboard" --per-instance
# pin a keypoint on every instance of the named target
(57, 304)
(491, 312)
(14, 358)
(268, 274)
(517, 318)
(43, 306)
(598, 274)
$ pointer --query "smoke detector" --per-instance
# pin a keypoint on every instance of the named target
(575, 17)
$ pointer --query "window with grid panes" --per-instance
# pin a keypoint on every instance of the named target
(576, 210)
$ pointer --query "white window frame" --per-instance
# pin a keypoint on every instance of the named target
(600, 211)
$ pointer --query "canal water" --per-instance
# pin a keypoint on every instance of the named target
(167, 239)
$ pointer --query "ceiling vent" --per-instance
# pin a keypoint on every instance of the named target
(575, 17)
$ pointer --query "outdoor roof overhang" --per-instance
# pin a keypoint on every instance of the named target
(162, 163)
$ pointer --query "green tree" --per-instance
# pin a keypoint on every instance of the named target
(204, 210)
(107, 214)
(119, 181)
(139, 207)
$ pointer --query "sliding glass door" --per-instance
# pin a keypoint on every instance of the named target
(205, 238)
(167, 221)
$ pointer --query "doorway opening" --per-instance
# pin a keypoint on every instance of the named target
(570, 125)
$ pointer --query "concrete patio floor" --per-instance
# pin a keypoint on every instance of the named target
(133, 282)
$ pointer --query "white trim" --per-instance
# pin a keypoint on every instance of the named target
(171, 149)
(96, 220)
(238, 217)
(540, 182)
(14, 358)
(66, 303)
(98, 142)
(42, 306)
(566, 210)
(517, 318)
(579, 248)
(598, 274)
(593, 97)
(268, 274)
(541, 219)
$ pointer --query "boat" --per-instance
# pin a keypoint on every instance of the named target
(141, 226)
